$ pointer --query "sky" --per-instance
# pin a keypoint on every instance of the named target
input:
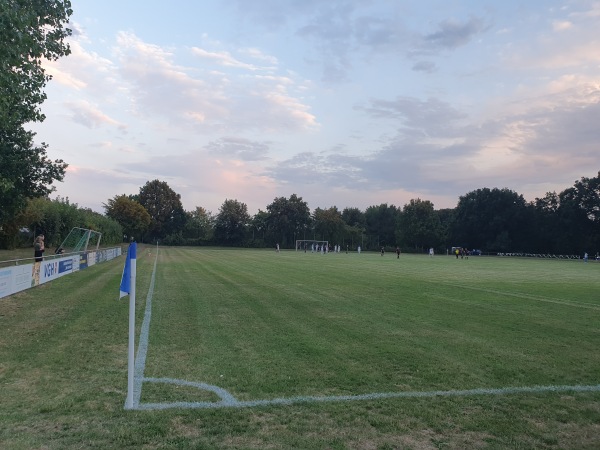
(346, 103)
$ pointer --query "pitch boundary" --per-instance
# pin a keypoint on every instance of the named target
(229, 401)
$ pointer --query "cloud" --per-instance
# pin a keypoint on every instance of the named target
(238, 148)
(424, 66)
(90, 116)
(452, 34)
(83, 69)
(223, 59)
(431, 117)
(208, 100)
(561, 25)
(204, 178)
(530, 145)
(257, 54)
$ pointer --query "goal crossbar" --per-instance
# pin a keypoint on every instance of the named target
(301, 243)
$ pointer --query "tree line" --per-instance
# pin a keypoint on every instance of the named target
(492, 220)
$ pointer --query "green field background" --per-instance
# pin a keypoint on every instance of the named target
(267, 325)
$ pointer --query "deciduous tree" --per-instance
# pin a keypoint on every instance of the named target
(132, 216)
(165, 209)
(288, 218)
(419, 225)
(30, 31)
(231, 223)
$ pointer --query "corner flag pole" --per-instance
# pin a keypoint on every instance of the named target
(128, 287)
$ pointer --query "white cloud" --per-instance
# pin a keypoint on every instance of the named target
(208, 100)
(91, 116)
(223, 59)
(561, 25)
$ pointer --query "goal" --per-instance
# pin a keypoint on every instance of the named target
(80, 240)
(310, 244)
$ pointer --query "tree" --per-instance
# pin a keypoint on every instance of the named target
(132, 216)
(419, 225)
(259, 225)
(199, 225)
(288, 219)
(56, 218)
(356, 225)
(495, 220)
(165, 209)
(231, 223)
(583, 202)
(382, 223)
(328, 225)
(30, 31)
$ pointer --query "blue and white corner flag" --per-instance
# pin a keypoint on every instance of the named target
(126, 278)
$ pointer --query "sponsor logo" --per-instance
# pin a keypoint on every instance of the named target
(65, 266)
(50, 269)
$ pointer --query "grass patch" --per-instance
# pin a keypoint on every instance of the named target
(264, 325)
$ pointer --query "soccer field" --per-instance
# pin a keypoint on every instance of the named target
(258, 349)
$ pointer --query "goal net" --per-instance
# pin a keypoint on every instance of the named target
(80, 240)
(311, 245)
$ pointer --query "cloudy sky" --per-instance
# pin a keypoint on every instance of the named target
(346, 103)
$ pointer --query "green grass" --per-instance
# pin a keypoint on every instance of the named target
(264, 325)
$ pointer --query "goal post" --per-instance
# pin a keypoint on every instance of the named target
(309, 244)
(80, 240)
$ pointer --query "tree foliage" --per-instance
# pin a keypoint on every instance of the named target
(419, 225)
(288, 219)
(231, 223)
(132, 216)
(30, 31)
(165, 209)
(382, 222)
(328, 225)
(55, 219)
(494, 219)
(199, 225)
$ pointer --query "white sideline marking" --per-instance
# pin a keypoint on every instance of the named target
(140, 359)
(229, 401)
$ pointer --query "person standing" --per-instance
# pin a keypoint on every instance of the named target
(397, 252)
(38, 248)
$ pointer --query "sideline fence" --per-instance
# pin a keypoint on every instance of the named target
(17, 277)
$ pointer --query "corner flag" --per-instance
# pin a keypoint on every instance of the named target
(128, 288)
(126, 278)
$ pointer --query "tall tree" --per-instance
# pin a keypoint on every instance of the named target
(328, 225)
(30, 31)
(231, 223)
(583, 201)
(497, 220)
(164, 206)
(259, 225)
(132, 216)
(381, 224)
(419, 225)
(199, 225)
(288, 219)
(356, 225)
